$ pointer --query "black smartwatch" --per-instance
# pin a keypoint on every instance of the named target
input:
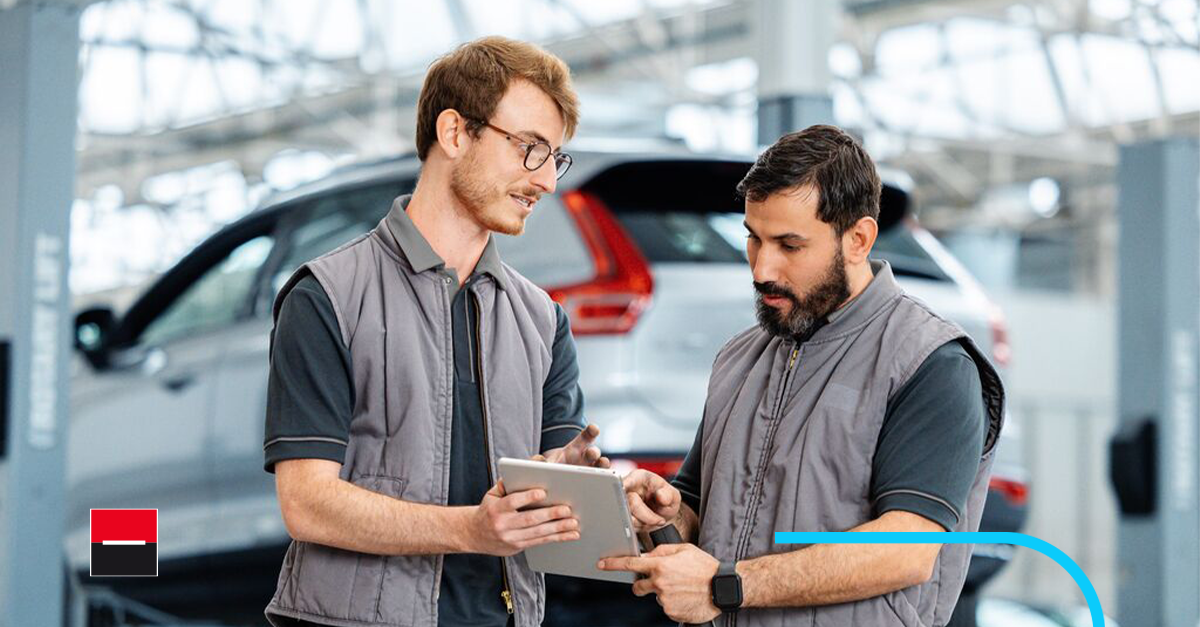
(727, 588)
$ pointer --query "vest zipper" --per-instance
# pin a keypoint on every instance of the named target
(506, 592)
(756, 490)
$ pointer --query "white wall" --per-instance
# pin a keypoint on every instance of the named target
(1062, 387)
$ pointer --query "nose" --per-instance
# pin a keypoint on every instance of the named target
(766, 266)
(545, 177)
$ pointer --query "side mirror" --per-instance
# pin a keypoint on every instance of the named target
(93, 330)
(894, 206)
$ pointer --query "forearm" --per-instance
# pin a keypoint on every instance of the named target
(337, 513)
(838, 573)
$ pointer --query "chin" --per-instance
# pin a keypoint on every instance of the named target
(513, 229)
(505, 225)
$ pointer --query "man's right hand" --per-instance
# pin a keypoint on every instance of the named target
(497, 527)
(652, 501)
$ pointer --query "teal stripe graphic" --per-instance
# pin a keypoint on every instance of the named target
(957, 537)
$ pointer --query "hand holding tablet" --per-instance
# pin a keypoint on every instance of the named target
(509, 521)
(596, 499)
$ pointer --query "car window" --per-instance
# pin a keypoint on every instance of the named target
(333, 220)
(550, 252)
(908, 258)
(677, 211)
(673, 236)
(214, 300)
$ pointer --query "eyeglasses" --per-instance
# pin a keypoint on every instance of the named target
(536, 153)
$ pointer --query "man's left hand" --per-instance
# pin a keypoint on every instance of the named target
(580, 451)
(679, 574)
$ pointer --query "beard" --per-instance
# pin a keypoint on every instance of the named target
(806, 313)
(484, 203)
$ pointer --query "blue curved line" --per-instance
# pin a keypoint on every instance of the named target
(957, 537)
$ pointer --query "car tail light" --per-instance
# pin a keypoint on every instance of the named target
(612, 301)
(665, 467)
(1001, 349)
(1015, 492)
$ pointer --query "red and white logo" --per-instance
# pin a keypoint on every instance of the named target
(124, 543)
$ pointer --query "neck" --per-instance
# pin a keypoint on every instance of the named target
(448, 227)
(859, 276)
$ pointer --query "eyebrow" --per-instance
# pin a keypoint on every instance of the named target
(536, 135)
(784, 238)
(539, 137)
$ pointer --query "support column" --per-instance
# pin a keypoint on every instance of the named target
(1155, 466)
(39, 50)
(793, 42)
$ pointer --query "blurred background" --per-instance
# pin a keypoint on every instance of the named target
(1003, 127)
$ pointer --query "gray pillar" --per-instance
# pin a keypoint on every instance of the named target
(39, 50)
(1158, 211)
(793, 41)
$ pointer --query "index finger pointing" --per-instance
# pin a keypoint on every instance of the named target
(588, 435)
(630, 564)
(643, 514)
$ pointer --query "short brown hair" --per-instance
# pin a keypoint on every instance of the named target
(826, 158)
(473, 78)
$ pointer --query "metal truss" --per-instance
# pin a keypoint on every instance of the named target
(360, 101)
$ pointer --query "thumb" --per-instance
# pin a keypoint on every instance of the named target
(498, 489)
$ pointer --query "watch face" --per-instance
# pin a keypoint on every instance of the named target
(727, 591)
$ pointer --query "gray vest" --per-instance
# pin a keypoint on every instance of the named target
(394, 315)
(789, 448)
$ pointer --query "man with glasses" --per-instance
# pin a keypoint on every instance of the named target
(405, 363)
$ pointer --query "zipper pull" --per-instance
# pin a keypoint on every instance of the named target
(507, 596)
(792, 361)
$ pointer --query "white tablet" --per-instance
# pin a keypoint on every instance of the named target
(596, 498)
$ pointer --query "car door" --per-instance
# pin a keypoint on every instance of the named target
(247, 508)
(141, 426)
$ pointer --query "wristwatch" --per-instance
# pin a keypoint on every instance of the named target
(727, 588)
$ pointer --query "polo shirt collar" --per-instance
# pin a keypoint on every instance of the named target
(879, 292)
(420, 254)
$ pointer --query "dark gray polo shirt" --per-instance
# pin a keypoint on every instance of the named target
(311, 395)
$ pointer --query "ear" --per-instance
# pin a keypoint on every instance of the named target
(452, 136)
(858, 240)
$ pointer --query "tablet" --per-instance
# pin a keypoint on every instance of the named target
(597, 499)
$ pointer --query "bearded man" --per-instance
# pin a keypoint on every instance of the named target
(850, 407)
(405, 363)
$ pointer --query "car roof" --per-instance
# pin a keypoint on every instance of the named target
(591, 156)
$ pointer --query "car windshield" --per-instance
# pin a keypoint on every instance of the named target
(677, 236)
(908, 258)
(688, 212)
(720, 237)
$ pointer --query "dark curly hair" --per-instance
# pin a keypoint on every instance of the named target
(826, 158)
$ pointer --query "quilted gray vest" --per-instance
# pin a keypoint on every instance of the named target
(396, 322)
(789, 448)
